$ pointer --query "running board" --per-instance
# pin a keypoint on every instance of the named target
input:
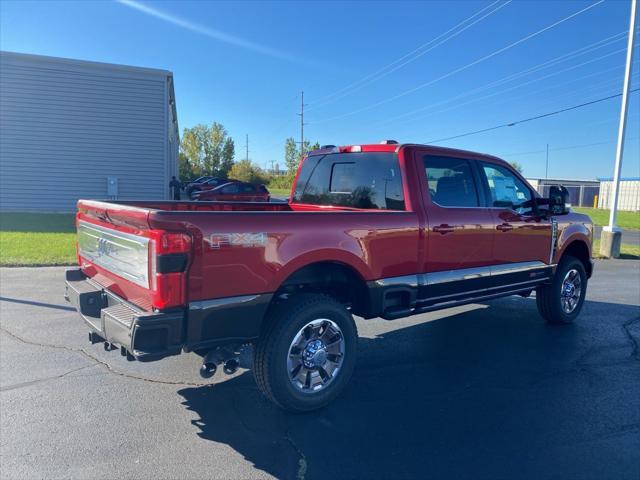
(405, 312)
(466, 301)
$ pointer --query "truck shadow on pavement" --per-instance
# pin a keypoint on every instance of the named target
(488, 393)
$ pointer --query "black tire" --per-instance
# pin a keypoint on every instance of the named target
(284, 321)
(549, 296)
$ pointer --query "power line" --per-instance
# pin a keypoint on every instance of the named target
(530, 119)
(544, 135)
(503, 91)
(558, 149)
(464, 67)
(541, 66)
(402, 61)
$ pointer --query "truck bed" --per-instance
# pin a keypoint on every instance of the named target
(251, 248)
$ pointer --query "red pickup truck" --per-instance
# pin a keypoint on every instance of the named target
(382, 230)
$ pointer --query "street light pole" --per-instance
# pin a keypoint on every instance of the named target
(546, 168)
(611, 234)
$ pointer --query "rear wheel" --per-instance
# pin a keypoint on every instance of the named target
(561, 301)
(306, 355)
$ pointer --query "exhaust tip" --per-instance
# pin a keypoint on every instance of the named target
(231, 366)
(208, 370)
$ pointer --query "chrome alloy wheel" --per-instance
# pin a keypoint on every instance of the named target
(570, 291)
(315, 355)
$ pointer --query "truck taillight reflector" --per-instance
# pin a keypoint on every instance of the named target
(174, 243)
(168, 262)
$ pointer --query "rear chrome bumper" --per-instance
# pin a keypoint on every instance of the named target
(143, 335)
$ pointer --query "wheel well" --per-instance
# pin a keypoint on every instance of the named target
(332, 278)
(579, 250)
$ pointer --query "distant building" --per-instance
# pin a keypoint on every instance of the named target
(628, 194)
(73, 129)
(583, 192)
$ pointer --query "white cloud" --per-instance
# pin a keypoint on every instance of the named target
(207, 31)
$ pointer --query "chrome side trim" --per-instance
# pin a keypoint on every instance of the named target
(436, 278)
(517, 267)
(410, 281)
(221, 302)
(554, 239)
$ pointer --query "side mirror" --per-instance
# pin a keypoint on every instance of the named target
(559, 200)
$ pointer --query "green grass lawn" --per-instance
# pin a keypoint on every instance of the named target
(280, 192)
(37, 239)
(627, 251)
(626, 220)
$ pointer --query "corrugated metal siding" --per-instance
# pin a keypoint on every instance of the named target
(628, 195)
(64, 128)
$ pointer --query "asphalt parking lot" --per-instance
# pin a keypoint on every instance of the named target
(482, 391)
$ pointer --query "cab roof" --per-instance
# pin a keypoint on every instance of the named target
(395, 147)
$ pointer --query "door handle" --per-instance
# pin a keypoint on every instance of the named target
(444, 228)
(505, 227)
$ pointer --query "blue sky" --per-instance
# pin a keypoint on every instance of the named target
(244, 64)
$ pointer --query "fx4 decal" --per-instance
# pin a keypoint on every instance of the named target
(219, 240)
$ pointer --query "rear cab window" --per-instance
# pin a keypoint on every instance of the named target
(367, 180)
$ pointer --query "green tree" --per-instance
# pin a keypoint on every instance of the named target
(246, 171)
(226, 159)
(293, 155)
(185, 169)
(208, 149)
(517, 166)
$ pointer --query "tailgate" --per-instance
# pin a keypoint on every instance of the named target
(123, 254)
(119, 250)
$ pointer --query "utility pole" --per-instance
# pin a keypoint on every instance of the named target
(611, 234)
(247, 144)
(546, 169)
(301, 123)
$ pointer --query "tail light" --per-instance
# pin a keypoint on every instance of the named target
(169, 257)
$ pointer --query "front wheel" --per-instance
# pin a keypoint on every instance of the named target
(561, 300)
(307, 353)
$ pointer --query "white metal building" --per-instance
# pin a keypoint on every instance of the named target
(73, 129)
(583, 193)
(628, 195)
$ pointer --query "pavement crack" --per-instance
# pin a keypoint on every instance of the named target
(626, 327)
(302, 460)
(97, 361)
(17, 386)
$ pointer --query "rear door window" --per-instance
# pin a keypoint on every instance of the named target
(451, 182)
(359, 180)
